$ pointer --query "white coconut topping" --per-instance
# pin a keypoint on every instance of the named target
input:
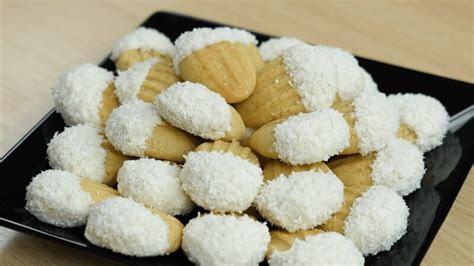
(220, 181)
(78, 93)
(369, 83)
(274, 47)
(301, 200)
(399, 166)
(56, 197)
(154, 183)
(322, 249)
(311, 137)
(377, 220)
(425, 115)
(225, 240)
(130, 125)
(376, 123)
(319, 72)
(125, 226)
(349, 77)
(195, 109)
(199, 38)
(129, 82)
(143, 38)
(78, 150)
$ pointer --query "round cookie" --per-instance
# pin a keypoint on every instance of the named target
(82, 150)
(225, 240)
(377, 220)
(63, 199)
(196, 109)
(155, 184)
(127, 227)
(424, 116)
(140, 45)
(275, 47)
(220, 181)
(85, 94)
(300, 201)
(321, 249)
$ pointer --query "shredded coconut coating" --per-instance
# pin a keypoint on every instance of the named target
(127, 227)
(301, 200)
(143, 38)
(377, 121)
(154, 183)
(130, 125)
(319, 72)
(399, 166)
(56, 197)
(129, 82)
(77, 94)
(322, 249)
(377, 220)
(78, 150)
(220, 181)
(194, 108)
(199, 38)
(225, 240)
(311, 137)
(274, 47)
(425, 115)
(369, 83)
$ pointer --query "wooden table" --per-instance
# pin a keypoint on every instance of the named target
(40, 39)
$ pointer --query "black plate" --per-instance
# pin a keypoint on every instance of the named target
(448, 165)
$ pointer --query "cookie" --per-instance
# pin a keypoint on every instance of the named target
(140, 45)
(225, 60)
(136, 129)
(305, 138)
(63, 199)
(194, 108)
(85, 95)
(127, 227)
(82, 150)
(304, 78)
(144, 80)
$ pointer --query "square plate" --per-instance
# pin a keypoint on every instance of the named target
(447, 165)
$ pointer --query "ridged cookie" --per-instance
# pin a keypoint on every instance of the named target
(140, 45)
(136, 129)
(223, 59)
(304, 78)
(145, 80)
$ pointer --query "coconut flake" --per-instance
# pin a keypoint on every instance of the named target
(311, 137)
(143, 38)
(425, 115)
(225, 240)
(274, 47)
(220, 181)
(129, 82)
(301, 200)
(376, 123)
(196, 109)
(377, 220)
(130, 125)
(399, 166)
(78, 93)
(199, 38)
(78, 150)
(154, 183)
(56, 197)
(322, 249)
(127, 227)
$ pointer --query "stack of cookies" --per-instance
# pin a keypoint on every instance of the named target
(288, 151)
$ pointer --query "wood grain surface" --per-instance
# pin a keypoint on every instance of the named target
(41, 39)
